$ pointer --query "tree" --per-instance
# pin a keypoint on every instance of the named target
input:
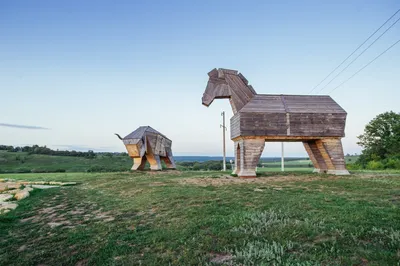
(381, 138)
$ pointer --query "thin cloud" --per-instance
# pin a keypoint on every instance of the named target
(23, 126)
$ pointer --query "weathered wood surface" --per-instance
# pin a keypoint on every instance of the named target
(248, 152)
(147, 144)
(317, 120)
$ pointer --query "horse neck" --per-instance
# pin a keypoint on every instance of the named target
(241, 93)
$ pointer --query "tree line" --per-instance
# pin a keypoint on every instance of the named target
(35, 149)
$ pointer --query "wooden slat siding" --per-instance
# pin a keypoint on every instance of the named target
(262, 124)
(139, 163)
(335, 150)
(238, 85)
(160, 146)
(311, 155)
(169, 162)
(295, 104)
(154, 161)
(285, 138)
(239, 95)
(245, 81)
(252, 89)
(265, 104)
(130, 141)
(310, 103)
(234, 110)
(229, 71)
(252, 150)
(327, 159)
(317, 155)
(151, 142)
(133, 150)
(235, 126)
(213, 73)
(317, 124)
(137, 134)
(236, 150)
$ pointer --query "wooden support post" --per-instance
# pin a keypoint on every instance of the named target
(169, 162)
(334, 156)
(315, 156)
(250, 152)
(238, 156)
(139, 163)
(326, 155)
(154, 160)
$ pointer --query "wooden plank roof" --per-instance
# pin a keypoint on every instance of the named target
(268, 103)
(141, 131)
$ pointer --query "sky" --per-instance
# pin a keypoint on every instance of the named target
(73, 73)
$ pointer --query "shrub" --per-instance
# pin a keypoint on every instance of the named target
(22, 170)
(353, 166)
(392, 163)
(375, 165)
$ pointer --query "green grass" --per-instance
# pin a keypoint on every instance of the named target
(203, 218)
(11, 161)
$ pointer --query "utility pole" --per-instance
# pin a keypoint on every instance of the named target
(223, 140)
(283, 160)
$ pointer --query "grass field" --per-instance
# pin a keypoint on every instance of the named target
(11, 161)
(205, 218)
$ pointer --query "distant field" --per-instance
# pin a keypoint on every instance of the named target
(205, 218)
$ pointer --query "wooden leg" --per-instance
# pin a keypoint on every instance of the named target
(250, 153)
(139, 163)
(154, 160)
(315, 156)
(238, 156)
(169, 162)
(332, 152)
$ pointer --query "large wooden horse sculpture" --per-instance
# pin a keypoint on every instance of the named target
(317, 121)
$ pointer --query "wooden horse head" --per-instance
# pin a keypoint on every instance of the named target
(226, 83)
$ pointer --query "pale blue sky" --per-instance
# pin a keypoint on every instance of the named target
(87, 69)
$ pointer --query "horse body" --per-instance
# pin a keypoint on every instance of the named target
(317, 121)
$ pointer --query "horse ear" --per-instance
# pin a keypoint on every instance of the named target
(213, 73)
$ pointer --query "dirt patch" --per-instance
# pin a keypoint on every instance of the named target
(227, 180)
(158, 184)
(82, 262)
(22, 248)
(169, 172)
(4, 186)
(221, 258)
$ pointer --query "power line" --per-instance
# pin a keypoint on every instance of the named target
(355, 50)
(370, 62)
(338, 74)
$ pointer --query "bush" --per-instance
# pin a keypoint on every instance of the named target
(48, 170)
(353, 166)
(22, 170)
(392, 163)
(102, 169)
(375, 165)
